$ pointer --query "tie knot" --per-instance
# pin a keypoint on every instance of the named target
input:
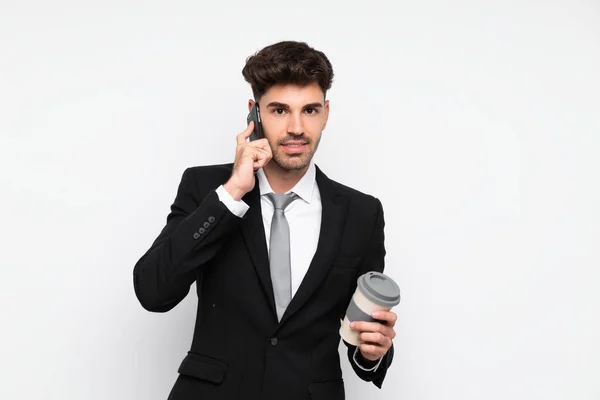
(281, 201)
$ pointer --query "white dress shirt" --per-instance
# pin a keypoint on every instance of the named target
(303, 216)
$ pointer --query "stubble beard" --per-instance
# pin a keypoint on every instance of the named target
(294, 162)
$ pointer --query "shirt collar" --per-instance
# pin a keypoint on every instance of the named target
(303, 188)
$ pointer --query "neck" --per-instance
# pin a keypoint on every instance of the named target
(282, 180)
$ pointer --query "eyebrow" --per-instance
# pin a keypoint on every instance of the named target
(276, 104)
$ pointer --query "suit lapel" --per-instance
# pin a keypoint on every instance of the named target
(334, 208)
(253, 232)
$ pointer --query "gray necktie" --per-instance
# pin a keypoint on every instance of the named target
(279, 252)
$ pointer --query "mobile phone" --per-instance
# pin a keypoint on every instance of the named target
(254, 115)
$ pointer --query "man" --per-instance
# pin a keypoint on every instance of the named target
(273, 280)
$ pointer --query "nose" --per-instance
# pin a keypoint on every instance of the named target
(295, 126)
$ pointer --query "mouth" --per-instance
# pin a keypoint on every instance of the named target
(294, 147)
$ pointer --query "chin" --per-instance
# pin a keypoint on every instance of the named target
(292, 163)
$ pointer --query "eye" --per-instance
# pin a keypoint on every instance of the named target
(279, 111)
(311, 111)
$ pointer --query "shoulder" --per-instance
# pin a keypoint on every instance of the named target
(207, 177)
(360, 202)
(207, 171)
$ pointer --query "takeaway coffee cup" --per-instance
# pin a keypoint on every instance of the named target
(374, 292)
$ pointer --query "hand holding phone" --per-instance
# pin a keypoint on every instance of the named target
(249, 156)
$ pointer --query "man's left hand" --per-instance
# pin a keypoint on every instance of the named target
(375, 337)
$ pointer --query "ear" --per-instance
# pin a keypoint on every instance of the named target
(250, 104)
(326, 110)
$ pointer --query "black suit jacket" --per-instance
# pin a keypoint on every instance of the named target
(239, 349)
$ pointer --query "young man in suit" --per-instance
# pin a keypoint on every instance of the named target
(275, 248)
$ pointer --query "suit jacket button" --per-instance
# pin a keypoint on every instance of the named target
(202, 230)
(196, 235)
(274, 341)
(211, 219)
(206, 225)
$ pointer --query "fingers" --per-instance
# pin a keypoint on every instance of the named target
(374, 345)
(241, 138)
(387, 316)
(260, 144)
(372, 352)
(249, 156)
(374, 338)
(260, 157)
(376, 327)
(364, 326)
(258, 150)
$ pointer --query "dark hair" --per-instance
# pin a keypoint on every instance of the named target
(287, 62)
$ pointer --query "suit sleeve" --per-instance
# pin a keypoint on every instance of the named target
(373, 261)
(197, 228)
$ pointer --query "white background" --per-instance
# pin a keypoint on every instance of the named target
(475, 122)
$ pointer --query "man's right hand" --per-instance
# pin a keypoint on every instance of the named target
(249, 156)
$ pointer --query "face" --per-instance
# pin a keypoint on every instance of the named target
(293, 118)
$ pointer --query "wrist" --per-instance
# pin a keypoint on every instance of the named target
(361, 362)
(234, 191)
(365, 361)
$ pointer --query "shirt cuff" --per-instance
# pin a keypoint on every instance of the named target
(373, 369)
(237, 207)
